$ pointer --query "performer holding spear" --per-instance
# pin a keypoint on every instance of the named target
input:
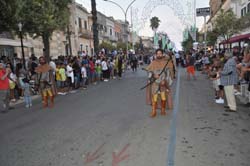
(158, 84)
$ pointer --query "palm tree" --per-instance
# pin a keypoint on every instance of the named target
(154, 24)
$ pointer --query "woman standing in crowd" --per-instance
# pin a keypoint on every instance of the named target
(84, 76)
(105, 70)
(119, 65)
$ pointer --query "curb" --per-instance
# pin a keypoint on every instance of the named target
(21, 101)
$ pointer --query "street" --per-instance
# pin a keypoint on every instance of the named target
(109, 125)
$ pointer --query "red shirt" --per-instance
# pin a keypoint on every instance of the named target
(4, 84)
(92, 66)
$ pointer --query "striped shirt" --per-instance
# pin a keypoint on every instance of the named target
(229, 75)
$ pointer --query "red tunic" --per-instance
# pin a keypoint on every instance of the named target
(4, 84)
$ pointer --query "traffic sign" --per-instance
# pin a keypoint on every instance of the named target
(203, 11)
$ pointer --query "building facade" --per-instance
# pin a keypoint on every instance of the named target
(74, 40)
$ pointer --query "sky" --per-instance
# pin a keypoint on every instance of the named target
(170, 12)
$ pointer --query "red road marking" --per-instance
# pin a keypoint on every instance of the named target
(92, 157)
(119, 158)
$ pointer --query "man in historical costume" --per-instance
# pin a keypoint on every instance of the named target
(45, 82)
(158, 84)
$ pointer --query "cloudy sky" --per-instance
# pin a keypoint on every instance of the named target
(175, 15)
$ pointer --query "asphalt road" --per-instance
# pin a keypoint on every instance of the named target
(109, 125)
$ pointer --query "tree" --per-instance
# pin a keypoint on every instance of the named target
(39, 18)
(95, 29)
(107, 46)
(227, 24)
(121, 45)
(187, 44)
(10, 15)
(43, 17)
(212, 37)
(154, 22)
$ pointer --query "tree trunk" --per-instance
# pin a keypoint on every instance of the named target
(46, 44)
(95, 30)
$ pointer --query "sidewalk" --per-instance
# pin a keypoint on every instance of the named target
(21, 101)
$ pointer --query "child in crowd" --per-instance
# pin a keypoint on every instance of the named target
(27, 95)
(84, 76)
(63, 78)
(98, 70)
(215, 76)
(58, 79)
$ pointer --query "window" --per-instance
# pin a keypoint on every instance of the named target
(85, 25)
(110, 32)
(245, 11)
(105, 28)
(80, 23)
(248, 8)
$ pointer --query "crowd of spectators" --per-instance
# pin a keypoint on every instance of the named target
(70, 73)
(229, 72)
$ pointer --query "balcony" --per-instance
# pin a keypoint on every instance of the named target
(83, 33)
(113, 38)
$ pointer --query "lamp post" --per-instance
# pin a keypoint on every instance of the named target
(20, 26)
(66, 47)
(125, 15)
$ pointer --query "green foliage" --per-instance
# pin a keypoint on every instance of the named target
(121, 45)
(154, 22)
(106, 45)
(212, 37)
(39, 17)
(46, 16)
(187, 44)
(227, 24)
(10, 14)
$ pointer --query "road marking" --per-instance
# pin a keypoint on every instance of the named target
(172, 142)
(119, 158)
(92, 157)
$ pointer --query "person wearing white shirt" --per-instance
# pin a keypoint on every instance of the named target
(105, 70)
(70, 75)
(53, 66)
(84, 76)
(177, 57)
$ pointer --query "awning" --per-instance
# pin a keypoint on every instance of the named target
(236, 39)
(14, 43)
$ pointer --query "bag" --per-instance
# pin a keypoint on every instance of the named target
(12, 84)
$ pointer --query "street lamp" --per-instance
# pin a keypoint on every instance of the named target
(20, 26)
(125, 15)
(66, 47)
